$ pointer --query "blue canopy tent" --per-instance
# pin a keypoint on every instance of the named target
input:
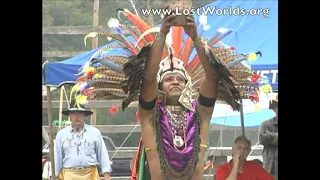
(253, 33)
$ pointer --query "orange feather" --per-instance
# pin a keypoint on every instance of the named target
(142, 26)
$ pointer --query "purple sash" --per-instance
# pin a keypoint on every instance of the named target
(178, 159)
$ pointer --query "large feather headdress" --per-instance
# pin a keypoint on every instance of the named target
(107, 76)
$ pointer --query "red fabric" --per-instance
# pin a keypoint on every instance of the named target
(137, 117)
(135, 169)
(251, 171)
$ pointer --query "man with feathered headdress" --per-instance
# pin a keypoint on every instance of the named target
(179, 139)
(175, 127)
(176, 94)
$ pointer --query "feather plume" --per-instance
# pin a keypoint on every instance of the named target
(176, 40)
(142, 26)
(135, 34)
(227, 88)
(147, 32)
(186, 50)
(242, 58)
(116, 59)
(113, 36)
(133, 70)
(134, 7)
(103, 49)
(84, 68)
(91, 35)
(114, 24)
(73, 90)
(109, 64)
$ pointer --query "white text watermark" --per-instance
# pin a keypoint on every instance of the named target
(210, 11)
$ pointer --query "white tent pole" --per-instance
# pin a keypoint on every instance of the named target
(60, 105)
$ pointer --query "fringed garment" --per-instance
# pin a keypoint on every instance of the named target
(177, 164)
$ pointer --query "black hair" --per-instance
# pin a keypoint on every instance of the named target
(242, 137)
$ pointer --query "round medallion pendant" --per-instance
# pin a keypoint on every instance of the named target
(178, 141)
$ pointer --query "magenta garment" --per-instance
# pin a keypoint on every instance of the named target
(178, 159)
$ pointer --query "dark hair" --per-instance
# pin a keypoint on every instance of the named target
(243, 138)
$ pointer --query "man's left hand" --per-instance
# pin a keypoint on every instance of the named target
(191, 29)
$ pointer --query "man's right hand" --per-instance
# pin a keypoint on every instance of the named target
(166, 23)
(236, 159)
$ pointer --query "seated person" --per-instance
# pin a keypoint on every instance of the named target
(239, 168)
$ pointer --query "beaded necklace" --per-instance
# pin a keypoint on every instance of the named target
(178, 124)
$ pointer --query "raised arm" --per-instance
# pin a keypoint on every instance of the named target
(58, 155)
(209, 85)
(265, 136)
(149, 87)
(103, 158)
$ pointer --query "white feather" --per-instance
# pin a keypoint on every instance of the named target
(152, 30)
(119, 12)
(134, 7)
(223, 30)
(169, 40)
(203, 20)
(113, 22)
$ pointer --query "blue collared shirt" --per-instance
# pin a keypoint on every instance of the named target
(82, 149)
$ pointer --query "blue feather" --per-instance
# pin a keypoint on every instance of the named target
(109, 64)
(118, 30)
